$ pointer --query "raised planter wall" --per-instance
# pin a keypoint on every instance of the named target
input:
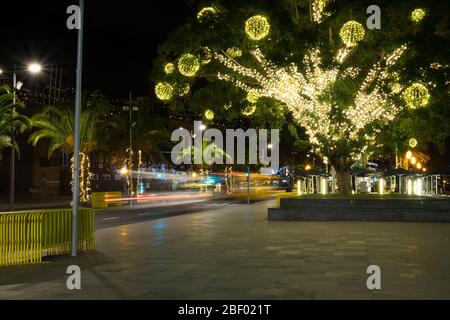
(412, 210)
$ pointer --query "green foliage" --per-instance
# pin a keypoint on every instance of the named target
(292, 34)
(10, 118)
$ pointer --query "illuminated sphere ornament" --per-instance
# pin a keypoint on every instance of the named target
(227, 106)
(257, 28)
(184, 90)
(249, 110)
(412, 143)
(164, 91)
(396, 88)
(253, 97)
(206, 55)
(209, 115)
(416, 96)
(234, 52)
(351, 33)
(169, 68)
(188, 65)
(417, 15)
(207, 15)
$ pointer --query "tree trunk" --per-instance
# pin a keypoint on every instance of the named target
(344, 181)
(343, 174)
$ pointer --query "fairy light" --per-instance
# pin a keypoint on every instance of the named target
(351, 33)
(302, 89)
(207, 15)
(188, 65)
(234, 52)
(253, 97)
(227, 106)
(257, 28)
(416, 96)
(169, 68)
(184, 90)
(417, 15)
(206, 55)
(209, 115)
(413, 143)
(318, 8)
(164, 91)
(249, 110)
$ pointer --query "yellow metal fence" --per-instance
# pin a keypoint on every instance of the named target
(27, 236)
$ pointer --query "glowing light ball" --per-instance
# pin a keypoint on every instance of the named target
(164, 91)
(351, 33)
(209, 115)
(188, 65)
(169, 68)
(249, 110)
(257, 28)
(396, 88)
(227, 106)
(234, 52)
(417, 15)
(253, 97)
(207, 15)
(413, 143)
(183, 91)
(206, 55)
(416, 96)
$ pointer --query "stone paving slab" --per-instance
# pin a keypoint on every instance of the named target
(235, 253)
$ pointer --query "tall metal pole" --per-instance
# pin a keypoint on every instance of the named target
(76, 174)
(12, 183)
(130, 172)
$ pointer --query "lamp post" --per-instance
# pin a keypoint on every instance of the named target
(33, 68)
(76, 171)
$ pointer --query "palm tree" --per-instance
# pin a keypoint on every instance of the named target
(57, 125)
(10, 119)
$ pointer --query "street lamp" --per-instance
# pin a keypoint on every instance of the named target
(33, 68)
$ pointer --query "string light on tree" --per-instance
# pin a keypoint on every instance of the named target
(253, 97)
(416, 96)
(209, 115)
(207, 15)
(417, 15)
(184, 90)
(318, 8)
(188, 65)
(169, 68)
(351, 33)
(413, 143)
(257, 28)
(164, 91)
(249, 110)
(227, 106)
(234, 52)
(206, 55)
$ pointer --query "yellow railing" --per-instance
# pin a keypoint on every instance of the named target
(26, 237)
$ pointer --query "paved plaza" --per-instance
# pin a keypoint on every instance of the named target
(235, 253)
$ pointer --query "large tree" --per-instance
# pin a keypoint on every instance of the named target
(341, 82)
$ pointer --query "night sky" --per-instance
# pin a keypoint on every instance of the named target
(121, 40)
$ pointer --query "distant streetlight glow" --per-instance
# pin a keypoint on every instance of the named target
(34, 68)
(124, 171)
(409, 155)
(308, 167)
(413, 161)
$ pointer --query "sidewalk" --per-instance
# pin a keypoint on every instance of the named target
(234, 253)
